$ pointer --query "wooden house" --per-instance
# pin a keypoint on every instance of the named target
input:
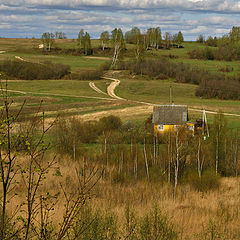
(169, 117)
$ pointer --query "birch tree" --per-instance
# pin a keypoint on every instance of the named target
(139, 47)
(179, 38)
(167, 39)
(48, 40)
(104, 38)
(118, 44)
(80, 38)
(86, 43)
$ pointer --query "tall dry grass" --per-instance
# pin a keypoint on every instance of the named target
(195, 215)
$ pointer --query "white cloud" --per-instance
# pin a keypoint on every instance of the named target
(192, 5)
(193, 17)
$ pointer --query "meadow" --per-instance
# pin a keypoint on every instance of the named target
(125, 201)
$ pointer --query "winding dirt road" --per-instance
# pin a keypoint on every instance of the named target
(112, 86)
(95, 88)
(60, 95)
(116, 82)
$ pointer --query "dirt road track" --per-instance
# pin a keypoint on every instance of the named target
(93, 86)
(116, 82)
(124, 112)
(19, 58)
(61, 95)
(112, 86)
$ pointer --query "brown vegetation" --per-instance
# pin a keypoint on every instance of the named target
(28, 71)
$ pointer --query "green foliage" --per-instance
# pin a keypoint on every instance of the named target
(95, 224)
(156, 226)
(47, 40)
(80, 38)
(207, 182)
(60, 35)
(211, 41)
(110, 123)
(130, 224)
(86, 75)
(104, 39)
(200, 39)
(205, 53)
(210, 85)
(86, 42)
(212, 231)
(68, 135)
(29, 71)
(178, 38)
(132, 35)
(228, 47)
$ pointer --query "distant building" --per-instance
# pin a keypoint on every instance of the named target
(169, 117)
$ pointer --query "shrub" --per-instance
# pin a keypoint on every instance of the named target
(207, 182)
(109, 123)
(206, 53)
(68, 135)
(29, 71)
(97, 225)
(87, 75)
(223, 89)
(156, 226)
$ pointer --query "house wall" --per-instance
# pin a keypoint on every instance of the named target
(161, 129)
(164, 128)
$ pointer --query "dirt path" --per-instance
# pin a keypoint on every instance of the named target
(100, 58)
(93, 86)
(61, 95)
(116, 82)
(111, 88)
(15, 91)
(19, 58)
(126, 112)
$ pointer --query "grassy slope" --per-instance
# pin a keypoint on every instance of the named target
(182, 56)
(28, 49)
(141, 89)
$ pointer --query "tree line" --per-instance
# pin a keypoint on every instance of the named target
(225, 48)
(152, 38)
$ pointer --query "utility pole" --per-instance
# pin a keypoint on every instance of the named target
(170, 95)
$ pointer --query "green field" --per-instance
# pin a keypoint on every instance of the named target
(76, 97)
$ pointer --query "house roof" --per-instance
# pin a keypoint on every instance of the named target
(170, 114)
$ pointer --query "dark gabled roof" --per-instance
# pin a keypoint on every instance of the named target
(170, 114)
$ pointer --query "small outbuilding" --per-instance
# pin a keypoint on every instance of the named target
(169, 117)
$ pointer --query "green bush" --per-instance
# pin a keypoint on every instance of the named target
(156, 226)
(207, 182)
(68, 135)
(87, 75)
(109, 123)
(30, 71)
(95, 224)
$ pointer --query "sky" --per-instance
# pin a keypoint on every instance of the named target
(31, 18)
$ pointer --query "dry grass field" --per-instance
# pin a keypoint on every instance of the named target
(194, 215)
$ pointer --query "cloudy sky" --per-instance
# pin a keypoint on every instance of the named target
(30, 18)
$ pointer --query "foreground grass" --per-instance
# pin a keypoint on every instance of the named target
(194, 215)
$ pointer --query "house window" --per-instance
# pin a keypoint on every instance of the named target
(160, 127)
